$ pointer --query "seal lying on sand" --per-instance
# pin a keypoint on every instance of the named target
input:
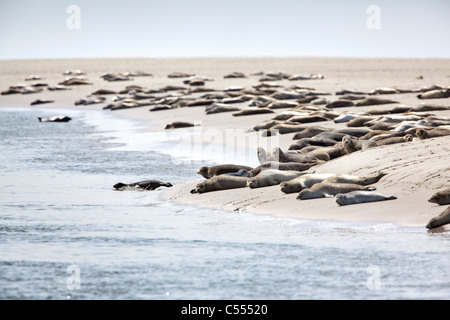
(281, 156)
(435, 94)
(303, 182)
(294, 166)
(209, 172)
(308, 180)
(325, 189)
(433, 133)
(222, 182)
(363, 180)
(179, 124)
(39, 101)
(272, 177)
(440, 220)
(374, 101)
(351, 145)
(441, 197)
(144, 185)
(355, 197)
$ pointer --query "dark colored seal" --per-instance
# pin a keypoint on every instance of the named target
(145, 185)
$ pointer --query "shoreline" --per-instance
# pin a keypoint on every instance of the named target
(413, 174)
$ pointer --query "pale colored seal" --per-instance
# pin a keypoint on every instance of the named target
(144, 185)
(440, 220)
(286, 166)
(435, 94)
(363, 180)
(209, 172)
(441, 197)
(356, 197)
(303, 182)
(383, 91)
(221, 182)
(272, 177)
(323, 190)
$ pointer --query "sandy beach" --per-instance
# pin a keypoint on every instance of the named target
(414, 170)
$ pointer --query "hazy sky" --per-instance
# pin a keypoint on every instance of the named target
(184, 28)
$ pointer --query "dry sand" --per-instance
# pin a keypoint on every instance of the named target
(414, 170)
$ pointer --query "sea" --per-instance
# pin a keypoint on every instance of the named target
(66, 234)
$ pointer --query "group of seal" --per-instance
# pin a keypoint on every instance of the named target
(312, 144)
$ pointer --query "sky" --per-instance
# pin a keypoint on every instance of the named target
(212, 28)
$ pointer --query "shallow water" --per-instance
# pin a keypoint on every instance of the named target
(66, 234)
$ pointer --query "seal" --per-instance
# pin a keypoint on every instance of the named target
(351, 145)
(309, 132)
(39, 101)
(281, 156)
(355, 132)
(55, 119)
(252, 111)
(287, 166)
(300, 144)
(435, 94)
(441, 197)
(394, 140)
(422, 133)
(346, 117)
(360, 121)
(363, 180)
(303, 182)
(240, 173)
(221, 182)
(336, 136)
(341, 103)
(264, 156)
(272, 177)
(355, 197)
(374, 101)
(323, 190)
(440, 220)
(179, 124)
(219, 107)
(209, 172)
(143, 185)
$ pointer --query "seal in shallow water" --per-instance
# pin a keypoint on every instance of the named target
(145, 185)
